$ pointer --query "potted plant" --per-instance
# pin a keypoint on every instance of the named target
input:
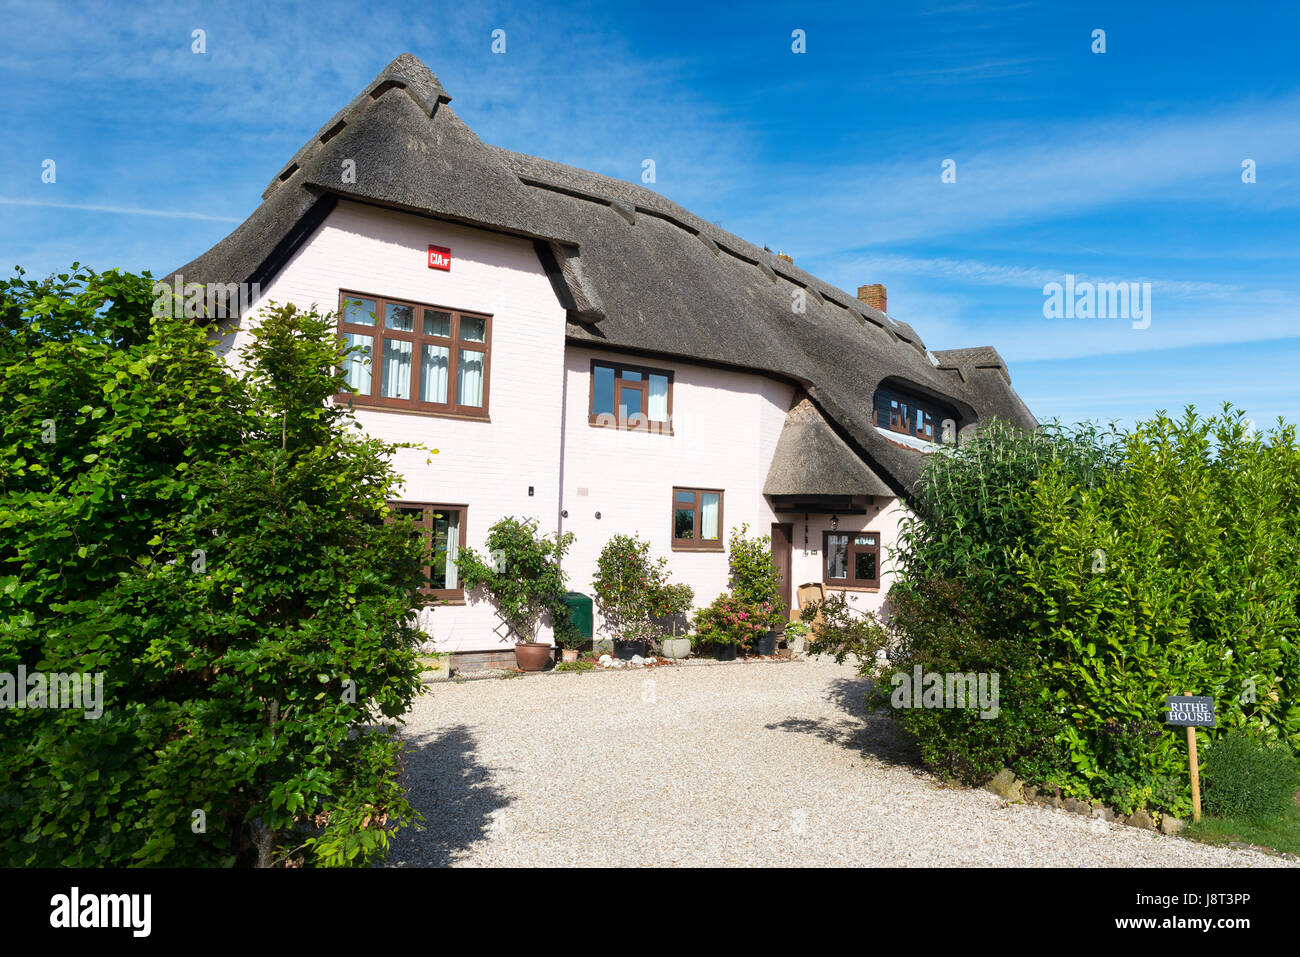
(729, 624)
(523, 579)
(671, 603)
(434, 665)
(756, 582)
(796, 636)
(567, 635)
(627, 584)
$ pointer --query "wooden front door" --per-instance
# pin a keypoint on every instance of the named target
(782, 557)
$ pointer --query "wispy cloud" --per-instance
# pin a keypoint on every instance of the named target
(119, 210)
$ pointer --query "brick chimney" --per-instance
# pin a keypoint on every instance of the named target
(873, 295)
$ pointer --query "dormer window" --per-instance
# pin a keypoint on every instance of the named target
(910, 415)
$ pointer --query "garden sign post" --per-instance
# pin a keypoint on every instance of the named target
(1192, 713)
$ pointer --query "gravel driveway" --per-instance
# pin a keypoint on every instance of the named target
(771, 763)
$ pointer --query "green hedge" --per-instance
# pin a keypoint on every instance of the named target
(214, 546)
(1245, 776)
(1105, 571)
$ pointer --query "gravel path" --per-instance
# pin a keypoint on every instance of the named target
(738, 764)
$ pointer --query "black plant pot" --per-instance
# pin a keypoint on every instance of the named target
(624, 650)
(725, 652)
(765, 644)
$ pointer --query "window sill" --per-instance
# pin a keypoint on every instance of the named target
(869, 589)
(679, 547)
(428, 413)
(614, 426)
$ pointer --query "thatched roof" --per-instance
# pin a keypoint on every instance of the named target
(811, 460)
(637, 271)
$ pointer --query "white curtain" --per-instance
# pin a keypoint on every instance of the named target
(469, 378)
(453, 546)
(433, 373)
(357, 365)
(658, 398)
(397, 369)
(709, 515)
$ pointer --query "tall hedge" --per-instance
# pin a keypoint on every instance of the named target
(215, 546)
(1100, 572)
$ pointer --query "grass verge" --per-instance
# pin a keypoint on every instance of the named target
(1281, 833)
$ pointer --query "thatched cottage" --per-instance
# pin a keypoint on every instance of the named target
(584, 351)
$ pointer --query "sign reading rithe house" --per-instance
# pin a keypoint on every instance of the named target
(440, 258)
(1189, 711)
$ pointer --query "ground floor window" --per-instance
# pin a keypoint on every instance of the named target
(445, 527)
(697, 519)
(852, 559)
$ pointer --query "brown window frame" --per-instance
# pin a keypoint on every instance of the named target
(696, 544)
(395, 506)
(899, 412)
(452, 342)
(924, 425)
(602, 419)
(852, 582)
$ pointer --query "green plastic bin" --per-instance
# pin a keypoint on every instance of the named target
(580, 612)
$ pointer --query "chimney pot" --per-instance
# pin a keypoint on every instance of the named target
(873, 295)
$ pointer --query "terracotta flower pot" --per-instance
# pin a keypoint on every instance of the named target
(532, 656)
(570, 654)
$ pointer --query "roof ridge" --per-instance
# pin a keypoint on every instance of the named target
(734, 244)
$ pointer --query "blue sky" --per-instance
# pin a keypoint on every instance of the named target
(1120, 166)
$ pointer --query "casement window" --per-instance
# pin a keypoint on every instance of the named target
(852, 559)
(898, 415)
(416, 357)
(444, 527)
(630, 397)
(908, 415)
(924, 425)
(697, 519)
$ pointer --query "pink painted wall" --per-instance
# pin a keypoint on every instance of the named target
(725, 428)
(487, 466)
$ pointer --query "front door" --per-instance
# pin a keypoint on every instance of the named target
(782, 556)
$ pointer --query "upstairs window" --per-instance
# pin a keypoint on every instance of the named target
(909, 415)
(415, 357)
(630, 397)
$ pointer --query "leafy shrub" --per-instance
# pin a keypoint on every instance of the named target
(731, 621)
(671, 603)
(567, 634)
(521, 574)
(213, 545)
(1245, 775)
(1178, 572)
(627, 583)
(755, 579)
(1098, 573)
(844, 631)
